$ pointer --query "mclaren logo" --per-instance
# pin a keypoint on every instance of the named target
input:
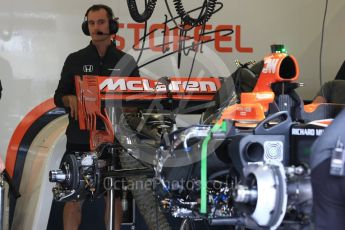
(146, 85)
(88, 68)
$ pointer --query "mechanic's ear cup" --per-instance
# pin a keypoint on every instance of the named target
(85, 28)
(113, 27)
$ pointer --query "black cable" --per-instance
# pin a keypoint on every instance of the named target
(183, 33)
(179, 49)
(191, 68)
(173, 19)
(187, 19)
(143, 43)
(133, 10)
(190, 11)
(321, 45)
(144, 40)
(202, 31)
(165, 49)
(186, 53)
(183, 29)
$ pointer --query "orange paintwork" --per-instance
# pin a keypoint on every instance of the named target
(89, 109)
(21, 129)
(271, 70)
(253, 105)
(244, 113)
(263, 98)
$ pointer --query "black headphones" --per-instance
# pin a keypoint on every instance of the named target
(113, 24)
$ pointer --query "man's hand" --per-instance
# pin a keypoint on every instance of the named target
(71, 102)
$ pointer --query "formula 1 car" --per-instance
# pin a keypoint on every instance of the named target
(245, 164)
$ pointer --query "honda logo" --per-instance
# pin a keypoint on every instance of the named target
(88, 68)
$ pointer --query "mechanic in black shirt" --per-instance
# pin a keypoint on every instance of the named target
(328, 190)
(99, 58)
